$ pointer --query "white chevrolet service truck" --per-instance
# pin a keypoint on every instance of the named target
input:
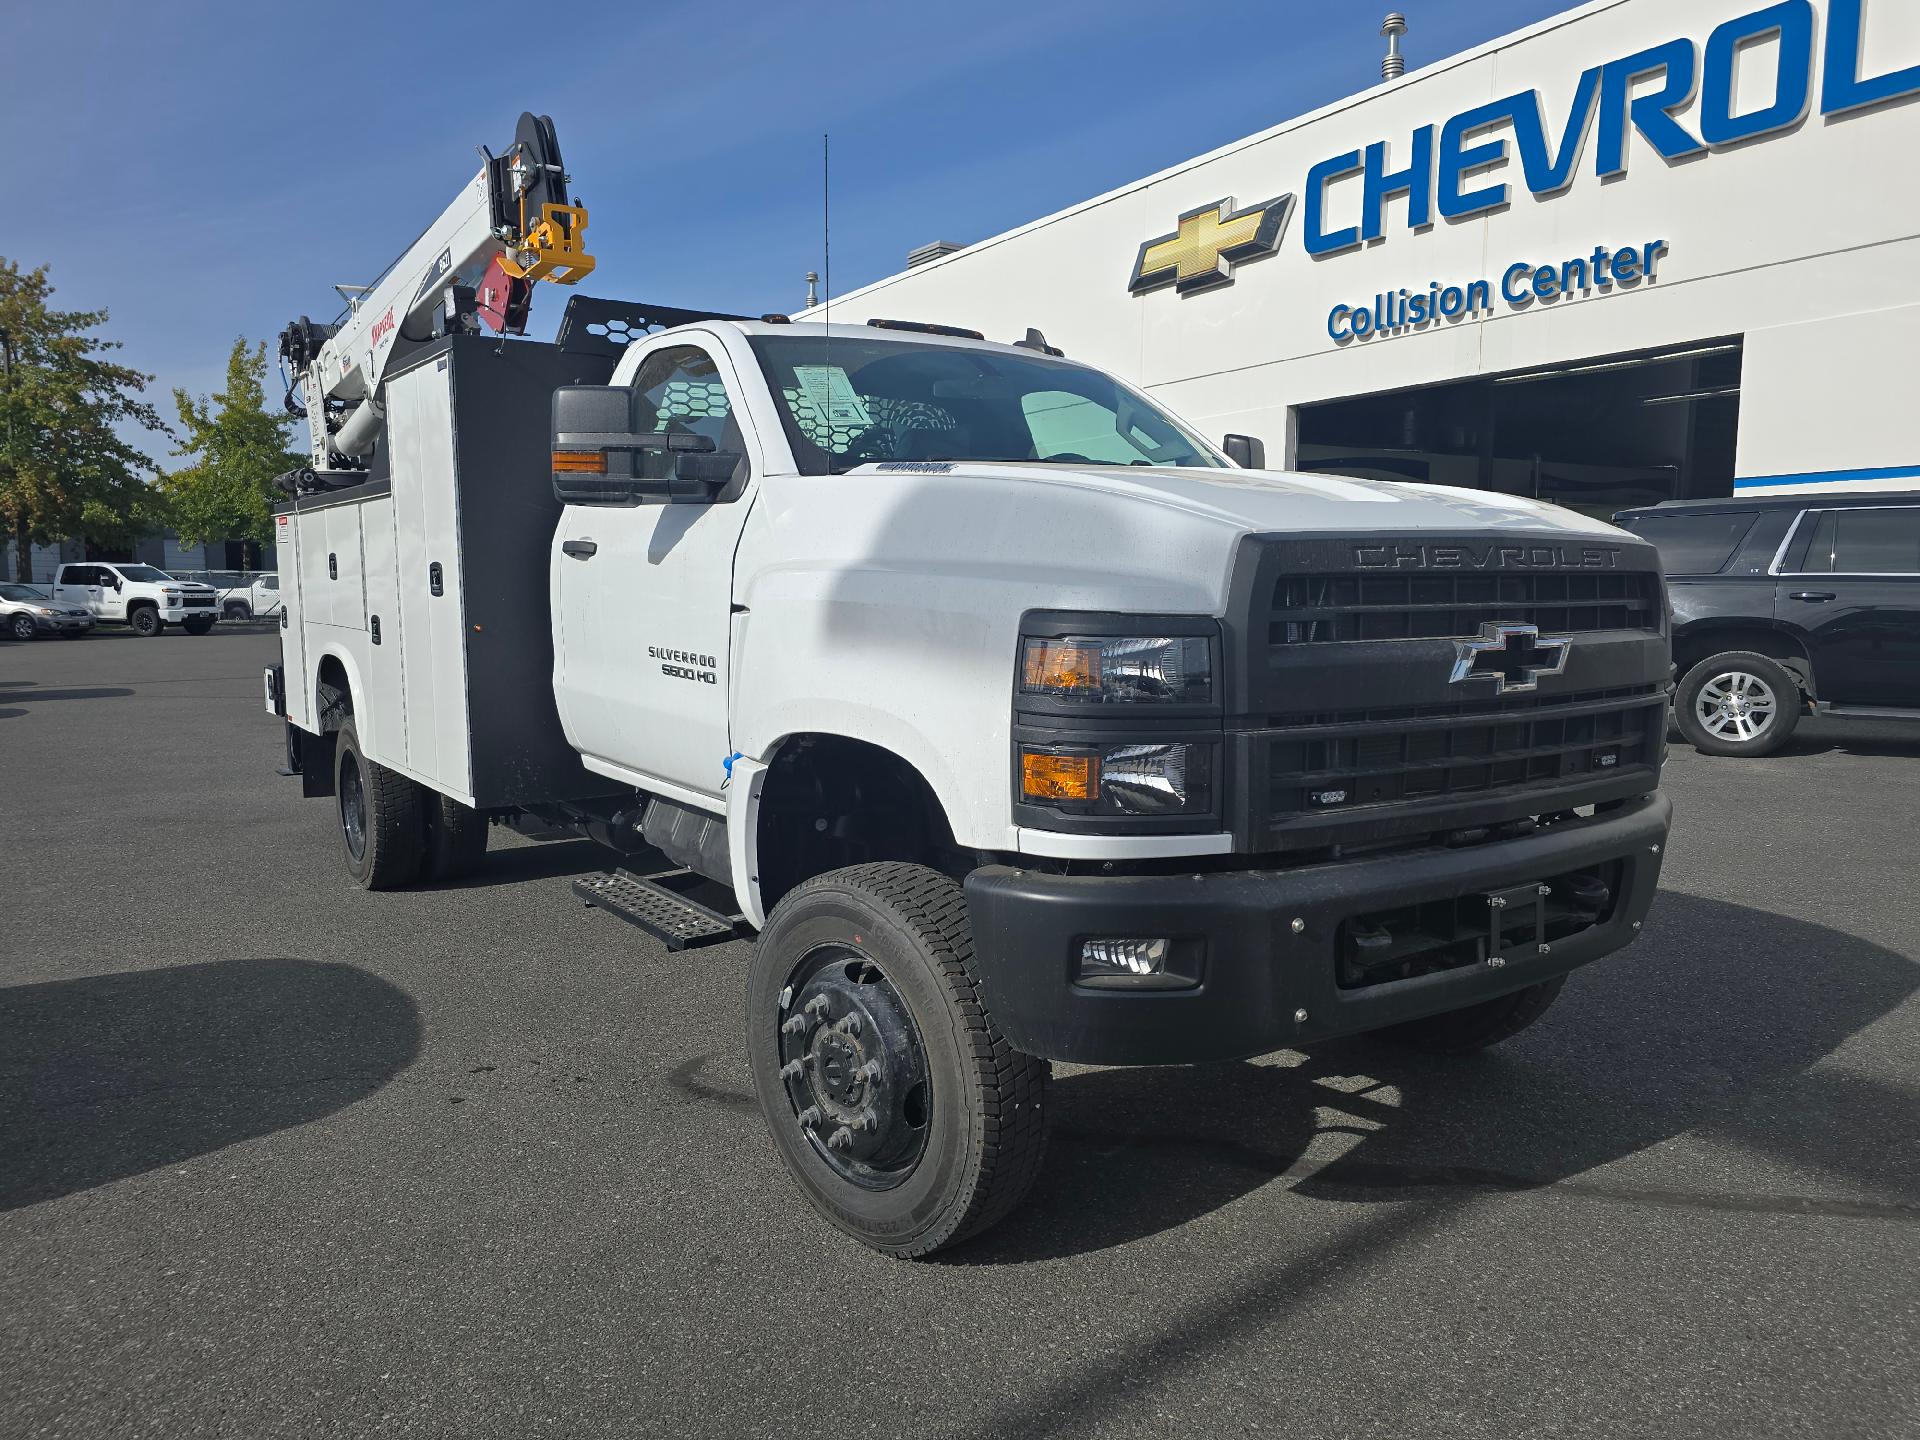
(1018, 720)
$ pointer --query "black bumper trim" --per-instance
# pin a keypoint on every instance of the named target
(1259, 971)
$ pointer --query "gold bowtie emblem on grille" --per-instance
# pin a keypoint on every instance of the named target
(1202, 252)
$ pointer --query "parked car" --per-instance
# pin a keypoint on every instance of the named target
(1786, 606)
(138, 596)
(27, 612)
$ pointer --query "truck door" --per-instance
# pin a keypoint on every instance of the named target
(644, 597)
(113, 593)
(1851, 581)
(79, 585)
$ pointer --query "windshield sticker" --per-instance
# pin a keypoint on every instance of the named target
(918, 467)
(832, 395)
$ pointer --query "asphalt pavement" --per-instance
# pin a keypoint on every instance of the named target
(282, 1158)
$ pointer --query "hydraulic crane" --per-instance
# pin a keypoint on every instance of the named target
(511, 226)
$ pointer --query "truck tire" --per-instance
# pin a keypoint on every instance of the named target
(238, 610)
(901, 1111)
(1461, 1032)
(145, 621)
(456, 838)
(381, 824)
(1738, 703)
(199, 625)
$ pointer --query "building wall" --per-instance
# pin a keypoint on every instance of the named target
(1805, 241)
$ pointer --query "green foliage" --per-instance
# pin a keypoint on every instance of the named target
(64, 467)
(237, 446)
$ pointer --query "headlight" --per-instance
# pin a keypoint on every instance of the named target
(1129, 779)
(1119, 670)
(43, 610)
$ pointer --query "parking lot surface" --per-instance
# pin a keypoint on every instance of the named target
(279, 1157)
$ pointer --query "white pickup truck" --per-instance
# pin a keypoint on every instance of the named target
(138, 596)
(1020, 721)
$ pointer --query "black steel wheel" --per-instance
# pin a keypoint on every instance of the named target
(895, 1102)
(854, 1067)
(381, 827)
(146, 622)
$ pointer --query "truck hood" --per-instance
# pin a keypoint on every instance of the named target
(1262, 500)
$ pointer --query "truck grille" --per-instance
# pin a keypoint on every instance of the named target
(203, 601)
(1329, 609)
(1351, 721)
(1341, 760)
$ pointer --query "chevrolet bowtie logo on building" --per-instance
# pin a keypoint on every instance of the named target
(1514, 657)
(1210, 241)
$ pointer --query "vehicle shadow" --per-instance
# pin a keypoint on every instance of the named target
(112, 1075)
(514, 864)
(24, 691)
(1713, 1024)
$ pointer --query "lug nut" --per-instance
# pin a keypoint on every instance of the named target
(793, 1070)
(817, 1006)
(870, 1071)
(868, 1121)
(809, 1117)
(841, 1139)
(849, 1026)
(795, 1026)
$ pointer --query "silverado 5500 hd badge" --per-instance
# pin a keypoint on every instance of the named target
(684, 664)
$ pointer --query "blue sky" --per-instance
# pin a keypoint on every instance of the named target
(208, 170)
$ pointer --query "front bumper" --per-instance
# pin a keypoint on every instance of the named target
(1265, 983)
(63, 624)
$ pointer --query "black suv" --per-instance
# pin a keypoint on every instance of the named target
(1785, 605)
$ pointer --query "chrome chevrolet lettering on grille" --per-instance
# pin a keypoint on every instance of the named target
(1514, 657)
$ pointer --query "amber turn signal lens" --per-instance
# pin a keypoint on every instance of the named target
(1059, 777)
(580, 462)
(1060, 667)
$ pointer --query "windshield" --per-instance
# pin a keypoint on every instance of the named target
(879, 400)
(144, 574)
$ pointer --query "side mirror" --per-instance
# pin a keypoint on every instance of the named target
(699, 477)
(1245, 451)
(599, 458)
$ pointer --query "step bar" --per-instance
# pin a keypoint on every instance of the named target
(656, 905)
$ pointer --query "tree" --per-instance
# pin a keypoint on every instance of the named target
(65, 466)
(237, 446)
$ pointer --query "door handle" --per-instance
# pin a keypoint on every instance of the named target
(579, 549)
(1817, 597)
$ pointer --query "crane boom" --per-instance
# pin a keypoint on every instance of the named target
(511, 226)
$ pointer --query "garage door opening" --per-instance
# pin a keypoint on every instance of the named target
(1595, 435)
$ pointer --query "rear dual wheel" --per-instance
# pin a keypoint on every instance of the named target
(901, 1111)
(395, 830)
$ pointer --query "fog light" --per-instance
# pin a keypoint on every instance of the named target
(1130, 965)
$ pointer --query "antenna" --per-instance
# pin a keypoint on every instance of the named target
(1395, 64)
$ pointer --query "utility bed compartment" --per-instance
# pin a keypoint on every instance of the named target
(429, 584)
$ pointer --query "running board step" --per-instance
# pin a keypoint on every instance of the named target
(655, 904)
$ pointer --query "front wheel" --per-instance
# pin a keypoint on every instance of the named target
(23, 627)
(893, 1099)
(1738, 703)
(146, 622)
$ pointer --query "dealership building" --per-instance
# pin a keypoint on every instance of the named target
(1644, 250)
